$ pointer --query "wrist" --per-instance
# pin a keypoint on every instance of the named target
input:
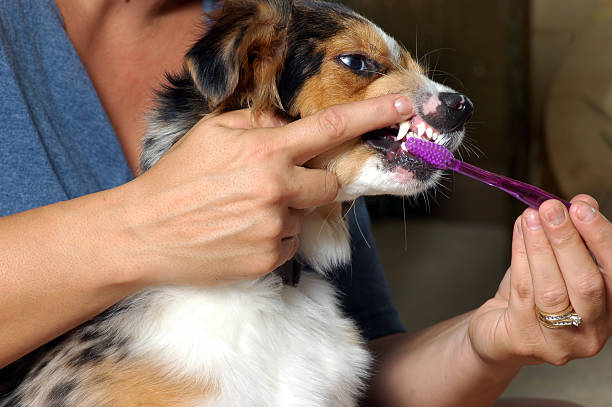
(131, 260)
(500, 370)
(98, 238)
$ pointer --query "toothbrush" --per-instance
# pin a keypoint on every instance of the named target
(439, 157)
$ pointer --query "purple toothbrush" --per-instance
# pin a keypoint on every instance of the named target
(439, 157)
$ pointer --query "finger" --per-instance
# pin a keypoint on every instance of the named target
(596, 231)
(288, 247)
(586, 198)
(549, 287)
(521, 284)
(245, 119)
(292, 225)
(312, 187)
(308, 137)
(582, 277)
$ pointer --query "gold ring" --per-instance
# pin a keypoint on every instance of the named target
(560, 319)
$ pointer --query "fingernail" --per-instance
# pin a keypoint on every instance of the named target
(585, 212)
(403, 106)
(555, 215)
(533, 220)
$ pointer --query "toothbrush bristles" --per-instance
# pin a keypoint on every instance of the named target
(433, 154)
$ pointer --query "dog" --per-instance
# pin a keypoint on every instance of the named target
(263, 342)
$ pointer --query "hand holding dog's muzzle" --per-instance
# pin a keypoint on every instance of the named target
(226, 202)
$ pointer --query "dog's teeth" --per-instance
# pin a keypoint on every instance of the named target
(404, 146)
(421, 129)
(429, 132)
(435, 136)
(403, 130)
(412, 134)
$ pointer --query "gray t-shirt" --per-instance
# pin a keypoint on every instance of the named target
(57, 143)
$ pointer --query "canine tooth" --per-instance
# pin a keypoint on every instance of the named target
(435, 136)
(404, 146)
(429, 132)
(403, 130)
(412, 134)
(421, 129)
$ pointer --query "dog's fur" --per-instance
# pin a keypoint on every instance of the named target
(260, 343)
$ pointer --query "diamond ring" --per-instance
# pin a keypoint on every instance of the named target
(561, 319)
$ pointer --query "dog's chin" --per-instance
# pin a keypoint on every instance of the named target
(391, 170)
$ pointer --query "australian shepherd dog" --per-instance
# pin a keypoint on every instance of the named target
(263, 342)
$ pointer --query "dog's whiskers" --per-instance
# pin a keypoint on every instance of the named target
(359, 227)
(405, 225)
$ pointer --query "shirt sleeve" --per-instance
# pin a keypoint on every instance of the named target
(365, 294)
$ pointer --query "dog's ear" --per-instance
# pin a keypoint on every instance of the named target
(238, 61)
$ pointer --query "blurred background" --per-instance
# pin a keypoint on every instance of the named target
(539, 73)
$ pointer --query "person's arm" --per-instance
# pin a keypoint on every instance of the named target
(469, 360)
(435, 367)
(60, 265)
(224, 204)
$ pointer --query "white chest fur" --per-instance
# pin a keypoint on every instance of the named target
(262, 343)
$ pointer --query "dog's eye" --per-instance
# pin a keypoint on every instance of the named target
(359, 63)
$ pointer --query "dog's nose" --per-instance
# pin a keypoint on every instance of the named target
(458, 108)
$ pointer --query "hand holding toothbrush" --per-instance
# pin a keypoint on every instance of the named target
(551, 271)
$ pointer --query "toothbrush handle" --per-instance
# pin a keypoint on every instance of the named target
(522, 191)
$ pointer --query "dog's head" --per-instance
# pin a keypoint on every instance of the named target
(295, 58)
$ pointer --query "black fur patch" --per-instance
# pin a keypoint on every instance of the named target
(58, 395)
(181, 94)
(310, 28)
(12, 375)
(13, 401)
(96, 352)
(214, 68)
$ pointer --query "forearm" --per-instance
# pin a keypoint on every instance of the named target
(59, 266)
(435, 367)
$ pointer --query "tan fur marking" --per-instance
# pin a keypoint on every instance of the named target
(189, 64)
(138, 383)
(332, 215)
(335, 85)
(348, 166)
(339, 86)
(345, 161)
(329, 212)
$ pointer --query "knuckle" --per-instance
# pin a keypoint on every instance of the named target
(273, 229)
(524, 289)
(332, 122)
(564, 239)
(271, 190)
(591, 287)
(539, 248)
(553, 298)
(592, 348)
(261, 149)
(561, 360)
